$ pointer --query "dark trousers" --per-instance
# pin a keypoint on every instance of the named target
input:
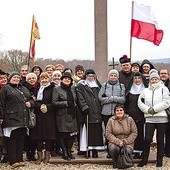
(167, 140)
(160, 132)
(139, 141)
(15, 145)
(114, 150)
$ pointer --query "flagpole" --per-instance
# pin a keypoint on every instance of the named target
(130, 32)
(30, 41)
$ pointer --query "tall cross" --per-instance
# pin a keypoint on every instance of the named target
(113, 63)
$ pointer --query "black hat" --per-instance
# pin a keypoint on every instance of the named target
(3, 73)
(79, 67)
(67, 74)
(137, 74)
(12, 74)
(124, 59)
(89, 71)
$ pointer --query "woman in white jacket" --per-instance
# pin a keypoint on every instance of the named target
(152, 102)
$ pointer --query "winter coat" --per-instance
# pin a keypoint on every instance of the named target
(158, 98)
(121, 130)
(126, 79)
(65, 122)
(110, 95)
(12, 105)
(45, 128)
(133, 109)
(88, 99)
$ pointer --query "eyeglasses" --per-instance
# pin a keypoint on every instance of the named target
(163, 73)
(119, 110)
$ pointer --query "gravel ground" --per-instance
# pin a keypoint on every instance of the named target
(42, 166)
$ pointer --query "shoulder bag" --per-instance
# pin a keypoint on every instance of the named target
(32, 118)
(124, 159)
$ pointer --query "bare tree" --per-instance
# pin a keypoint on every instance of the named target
(15, 59)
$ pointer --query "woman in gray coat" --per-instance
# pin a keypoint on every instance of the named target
(64, 101)
(111, 93)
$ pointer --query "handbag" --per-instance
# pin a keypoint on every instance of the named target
(124, 159)
(32, 119)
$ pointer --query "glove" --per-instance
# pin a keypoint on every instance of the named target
(151, 110)
(43, 108)
(115, 99)
(87, 111)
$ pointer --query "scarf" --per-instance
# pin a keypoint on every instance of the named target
(92, 84)
(40, 91)
(112, 82)
(137, 89)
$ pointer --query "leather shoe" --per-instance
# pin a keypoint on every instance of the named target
(15, 165)
(94, 153)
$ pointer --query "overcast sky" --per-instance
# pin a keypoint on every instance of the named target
(67, 28)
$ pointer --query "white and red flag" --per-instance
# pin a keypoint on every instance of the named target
(144, 25)
(34, 36)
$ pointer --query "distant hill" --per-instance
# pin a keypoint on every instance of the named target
(162, 60)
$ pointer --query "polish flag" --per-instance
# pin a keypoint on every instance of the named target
(144, 25)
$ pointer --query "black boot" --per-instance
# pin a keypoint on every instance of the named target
(28, 155)
(32, 156)
(58, 150)
(65, 154)
(145, 155)
(87, 155)
(159, 161)
(143, 162)
(94, 153)
(70, 154)
(114, 162)
(159, 164)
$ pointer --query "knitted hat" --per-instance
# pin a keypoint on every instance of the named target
(12, 74)
(114, 71)
(79, 67)
(67, 74)
(153, 73)
(124, 59)
(89, 71)
(56, 72)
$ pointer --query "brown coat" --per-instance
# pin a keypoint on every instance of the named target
(121, 130)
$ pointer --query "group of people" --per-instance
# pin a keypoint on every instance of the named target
(72, 107)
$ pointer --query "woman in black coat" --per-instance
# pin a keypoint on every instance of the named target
(64, 101)
(87, 94)
(139, 84)
(15, 100)
(45, 129)
(30, 145)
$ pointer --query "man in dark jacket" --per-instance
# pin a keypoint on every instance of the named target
(164, 76)
(126, 74)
